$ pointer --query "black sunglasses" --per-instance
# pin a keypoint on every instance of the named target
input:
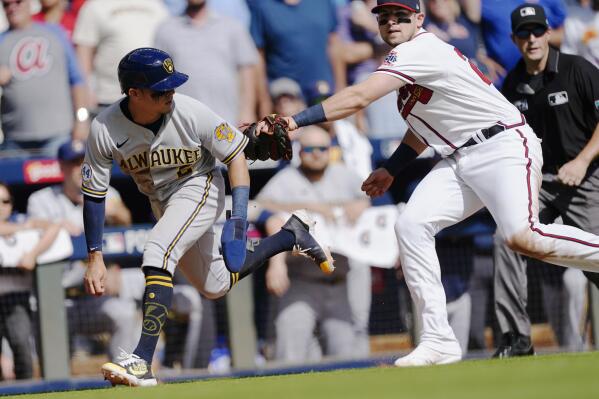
(398, 16)
(524, 33)
(312, 148)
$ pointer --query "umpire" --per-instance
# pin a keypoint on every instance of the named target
(559, 95)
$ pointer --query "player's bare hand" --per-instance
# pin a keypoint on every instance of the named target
(572, 173)
(277, 279)
(377, 183)
(95, 275)
(264, 126)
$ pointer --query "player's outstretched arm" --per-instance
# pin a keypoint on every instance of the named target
(342, 104)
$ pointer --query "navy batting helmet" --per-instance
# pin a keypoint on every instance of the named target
(149, 68)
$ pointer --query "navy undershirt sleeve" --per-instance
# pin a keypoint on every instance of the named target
(93, 222)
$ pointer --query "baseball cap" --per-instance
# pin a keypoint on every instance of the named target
(285, 86)
(412, 5)
(71, 150)
(528, 14)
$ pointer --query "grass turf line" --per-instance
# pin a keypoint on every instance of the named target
(563, 376)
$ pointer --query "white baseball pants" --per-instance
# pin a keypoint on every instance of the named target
(504, 175)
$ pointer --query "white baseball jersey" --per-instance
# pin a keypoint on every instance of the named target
(447, 99)
(186, 145)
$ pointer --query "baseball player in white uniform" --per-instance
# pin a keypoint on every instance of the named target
(168, 143)
(491, 158)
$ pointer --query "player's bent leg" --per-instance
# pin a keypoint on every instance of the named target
(298, 235)
(204, 267)
(558, 244)
(508, 183)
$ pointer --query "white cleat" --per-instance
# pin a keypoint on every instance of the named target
(129, 369)
(424, 356)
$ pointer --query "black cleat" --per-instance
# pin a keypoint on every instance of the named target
(306, 243)
(513, 345)
(129, 369)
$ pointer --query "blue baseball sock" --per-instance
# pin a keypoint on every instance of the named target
(156, 303)
(258, 256)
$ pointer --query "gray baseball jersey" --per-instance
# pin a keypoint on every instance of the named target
(176, 170)
(188, 142)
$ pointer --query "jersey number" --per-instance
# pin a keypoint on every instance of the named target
(473, 66)
(414, 94)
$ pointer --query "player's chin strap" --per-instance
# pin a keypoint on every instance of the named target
(93, 222)
(234, 235)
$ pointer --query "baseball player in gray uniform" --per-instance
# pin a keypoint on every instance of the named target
(168, 143)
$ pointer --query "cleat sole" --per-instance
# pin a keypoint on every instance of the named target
(327, 267)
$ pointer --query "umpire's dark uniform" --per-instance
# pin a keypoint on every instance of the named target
(562, 106)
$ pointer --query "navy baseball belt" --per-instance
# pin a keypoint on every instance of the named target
(486, 133)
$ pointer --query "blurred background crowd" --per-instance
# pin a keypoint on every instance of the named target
(247, 59)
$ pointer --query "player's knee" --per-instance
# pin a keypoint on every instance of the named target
(214, 294)
(527, 243)
(213, 291)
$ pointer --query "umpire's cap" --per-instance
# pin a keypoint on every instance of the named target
(411, 5)
(149, 68)
(528, 14)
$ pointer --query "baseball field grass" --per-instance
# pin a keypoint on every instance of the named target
(563, 376)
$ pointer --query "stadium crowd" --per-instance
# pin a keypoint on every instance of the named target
(247, 59)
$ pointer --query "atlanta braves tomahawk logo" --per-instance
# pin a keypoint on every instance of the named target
(30, 57)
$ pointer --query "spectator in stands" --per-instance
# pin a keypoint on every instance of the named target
(358, 31)
(297, 39)
(43, 93)
(220, 56)
(105, 31)
(176, 7)
(60, 12)
(581, 32)
(236, 9)
(16, 284)
(116, 313)
(446, 19)
(558, 95)
(494, 17)
(308, 298)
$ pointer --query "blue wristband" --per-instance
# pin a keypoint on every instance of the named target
(401, 157)
(310, 116)
(93, 222)
(241, 196)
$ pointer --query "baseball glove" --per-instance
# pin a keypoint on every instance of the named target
(273, 146)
